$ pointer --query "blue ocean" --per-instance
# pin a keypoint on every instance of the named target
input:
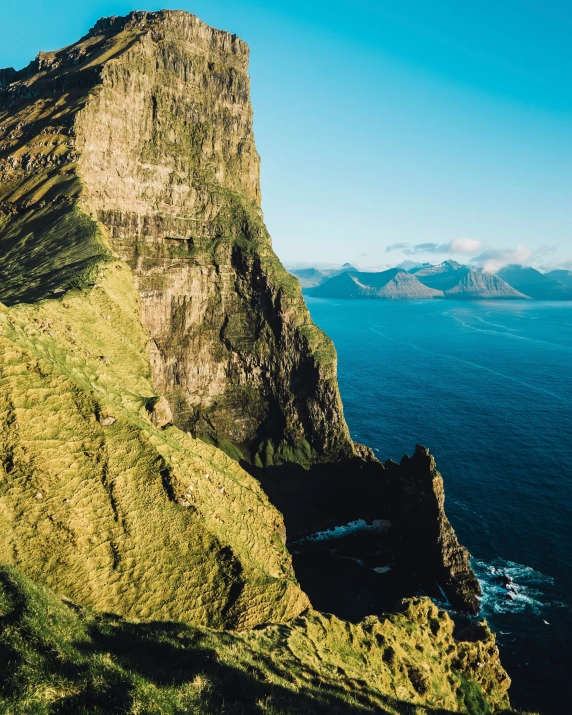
(487, 386)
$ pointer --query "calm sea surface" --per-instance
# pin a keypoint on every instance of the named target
(487, 386)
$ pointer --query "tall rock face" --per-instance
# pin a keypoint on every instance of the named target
(233, 347)
(157, 146)
(425, 535)
(131, 153)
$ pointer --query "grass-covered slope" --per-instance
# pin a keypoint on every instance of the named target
(59, 658)
(99, 502)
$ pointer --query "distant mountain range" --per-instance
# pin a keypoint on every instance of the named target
(312, 277)
(447, 280)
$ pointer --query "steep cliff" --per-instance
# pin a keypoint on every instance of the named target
(145, 315)
(154, 140)
(425, 535)
(136, 143)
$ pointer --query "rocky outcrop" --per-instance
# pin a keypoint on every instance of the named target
(425, 536)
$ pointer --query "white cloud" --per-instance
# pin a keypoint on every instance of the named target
(465, 246)
(493, 259)
(468, 246)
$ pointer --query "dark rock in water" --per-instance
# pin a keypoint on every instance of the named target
(426, 538)
(505, 579)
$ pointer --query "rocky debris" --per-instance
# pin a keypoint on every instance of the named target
(159, 411)
(106, 421)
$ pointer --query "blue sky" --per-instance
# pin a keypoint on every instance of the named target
(391, 129)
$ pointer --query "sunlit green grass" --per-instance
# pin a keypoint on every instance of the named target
(56, 657)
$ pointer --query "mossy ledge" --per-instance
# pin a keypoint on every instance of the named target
(151, 346)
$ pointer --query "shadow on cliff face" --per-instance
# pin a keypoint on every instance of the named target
(359, 568)
(336, 566)
(324, 495)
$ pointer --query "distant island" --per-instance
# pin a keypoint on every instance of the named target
(449, 279)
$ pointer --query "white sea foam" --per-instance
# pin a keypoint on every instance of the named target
(524, 593)
(382, 569)
(338, 532)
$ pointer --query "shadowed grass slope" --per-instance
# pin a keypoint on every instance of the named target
(60, 658)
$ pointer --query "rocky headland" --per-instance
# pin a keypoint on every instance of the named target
(169, 413)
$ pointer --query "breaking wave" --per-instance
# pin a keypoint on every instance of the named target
(509, 587)
(338, 532)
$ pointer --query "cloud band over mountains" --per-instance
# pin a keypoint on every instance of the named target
(464, 246)
(490, 259)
